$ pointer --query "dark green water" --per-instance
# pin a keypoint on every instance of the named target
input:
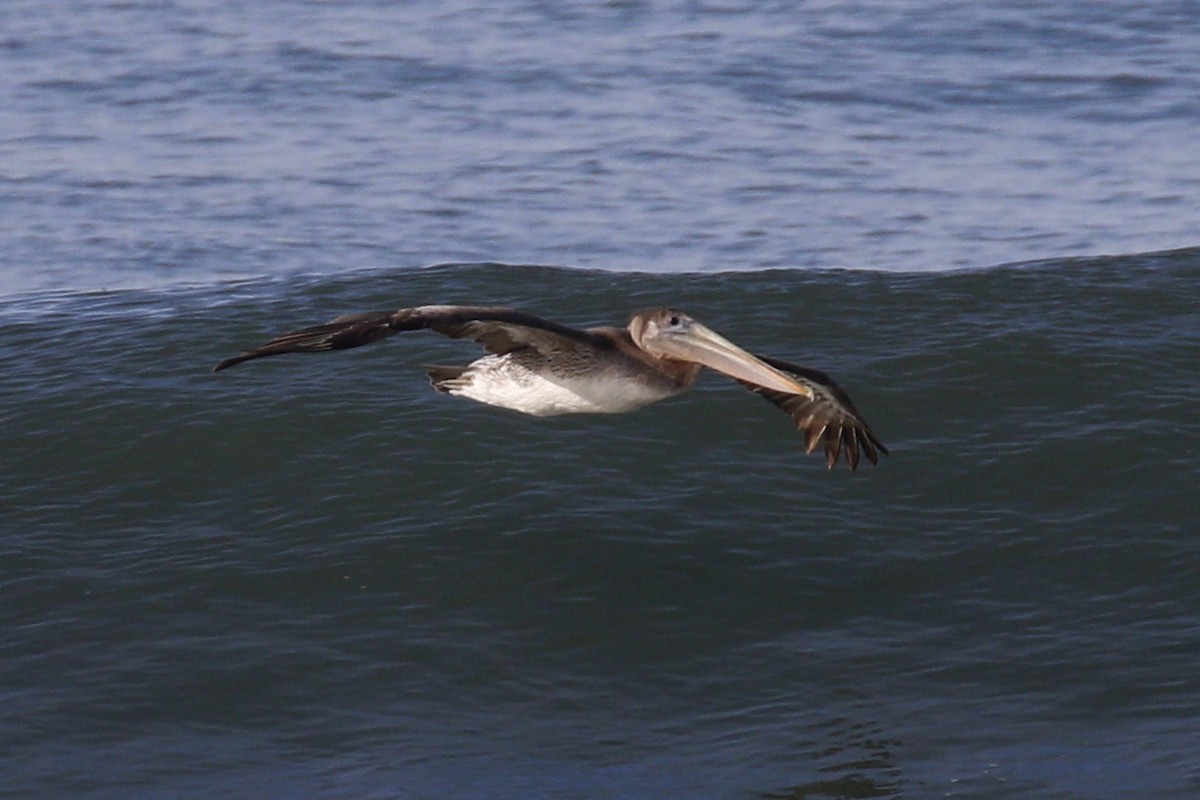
(313, 576)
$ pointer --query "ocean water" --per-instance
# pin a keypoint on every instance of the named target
(313, 576)
(153, 143)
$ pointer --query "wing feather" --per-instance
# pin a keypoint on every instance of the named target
(500, 330)
(829, 413)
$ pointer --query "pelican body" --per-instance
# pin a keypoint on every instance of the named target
(545, 369)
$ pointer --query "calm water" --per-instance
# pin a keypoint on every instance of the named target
(315, 577)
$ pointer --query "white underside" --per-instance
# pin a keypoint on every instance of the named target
(500, 381)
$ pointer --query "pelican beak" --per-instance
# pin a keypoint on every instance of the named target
(701, 345)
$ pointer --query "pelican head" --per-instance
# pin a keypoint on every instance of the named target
(668, 333)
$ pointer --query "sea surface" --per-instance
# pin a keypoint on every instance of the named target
(314, 577)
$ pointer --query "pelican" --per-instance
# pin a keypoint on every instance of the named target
(545, 369)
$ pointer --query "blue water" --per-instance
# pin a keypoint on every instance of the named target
(143, 144)
(313, 576)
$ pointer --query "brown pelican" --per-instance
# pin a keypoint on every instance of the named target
(545, 369)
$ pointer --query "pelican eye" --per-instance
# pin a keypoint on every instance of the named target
(674, 321)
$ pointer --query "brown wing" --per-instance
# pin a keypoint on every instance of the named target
(828, 414)
(499, 330)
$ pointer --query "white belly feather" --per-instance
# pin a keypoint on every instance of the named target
(505, 382)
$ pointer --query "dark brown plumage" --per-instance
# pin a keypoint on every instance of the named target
(543, 368)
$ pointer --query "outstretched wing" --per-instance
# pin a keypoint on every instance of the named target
(500, 330)
(828, 414)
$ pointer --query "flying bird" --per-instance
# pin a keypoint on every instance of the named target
(545, 369)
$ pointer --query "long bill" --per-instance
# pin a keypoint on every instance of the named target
(705, 346)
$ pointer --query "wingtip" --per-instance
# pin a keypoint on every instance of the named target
(229, 362)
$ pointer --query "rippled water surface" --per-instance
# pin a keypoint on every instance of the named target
(143, 143)
(313, 576)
